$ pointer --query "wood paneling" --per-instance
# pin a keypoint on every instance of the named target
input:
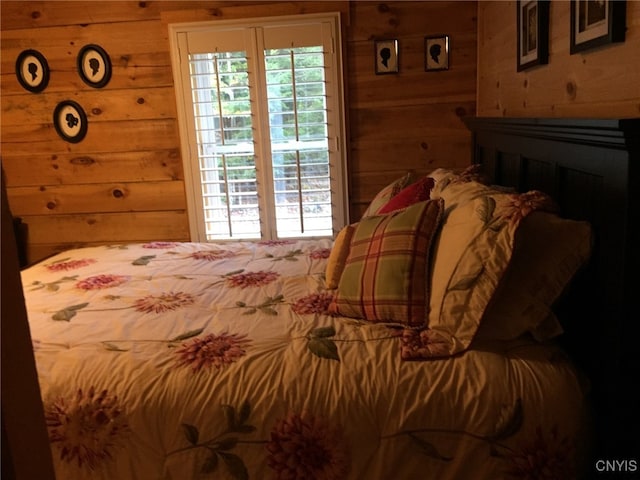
(57, 168)
(113, 227)
(124, 104)
(206, 11)
(119, 136)
(124, 182)
(603, 82)
(409, 121)
(102, 197)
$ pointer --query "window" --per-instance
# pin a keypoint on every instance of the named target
(260, 109)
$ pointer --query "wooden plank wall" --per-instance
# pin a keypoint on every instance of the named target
(124, 182)
(410, 120)
(604, 82)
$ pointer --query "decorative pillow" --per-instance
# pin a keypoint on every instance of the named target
(548, 252)
(457, 189)
(384, 278)
(386, 194)
(414, 193)
(338, 257)
(470, 257)
(444, 177)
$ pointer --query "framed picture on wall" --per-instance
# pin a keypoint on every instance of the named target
(436, 53)
(32, 71)
(596, 22)
(533, 33)
(70, 121)
(386, 56)
(94, 66)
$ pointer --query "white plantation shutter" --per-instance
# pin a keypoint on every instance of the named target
(224, 137)
(262, 116)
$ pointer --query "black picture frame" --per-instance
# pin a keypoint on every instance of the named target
(94, 65)
(533, 33)
(32, 70)
(386, 56)
(436, 53)
(594, 24)
(70, 121)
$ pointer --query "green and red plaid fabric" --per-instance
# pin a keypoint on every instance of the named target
(385, 278)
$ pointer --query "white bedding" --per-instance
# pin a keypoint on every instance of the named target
(182, 360)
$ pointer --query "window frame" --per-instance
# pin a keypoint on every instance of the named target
(185, 118)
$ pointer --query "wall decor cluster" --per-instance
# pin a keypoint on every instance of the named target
(533, 33)
(593, 23)
(596, 22)
(386, 56)
(436, 53)
(32, 71)
(69, 118)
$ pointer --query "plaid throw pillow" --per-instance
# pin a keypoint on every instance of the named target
(385, 276)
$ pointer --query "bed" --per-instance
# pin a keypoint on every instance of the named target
(590, 166)
(417, 344)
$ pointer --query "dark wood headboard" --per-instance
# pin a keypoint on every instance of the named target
(590, 167)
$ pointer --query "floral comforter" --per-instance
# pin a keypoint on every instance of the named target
(186, 360)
